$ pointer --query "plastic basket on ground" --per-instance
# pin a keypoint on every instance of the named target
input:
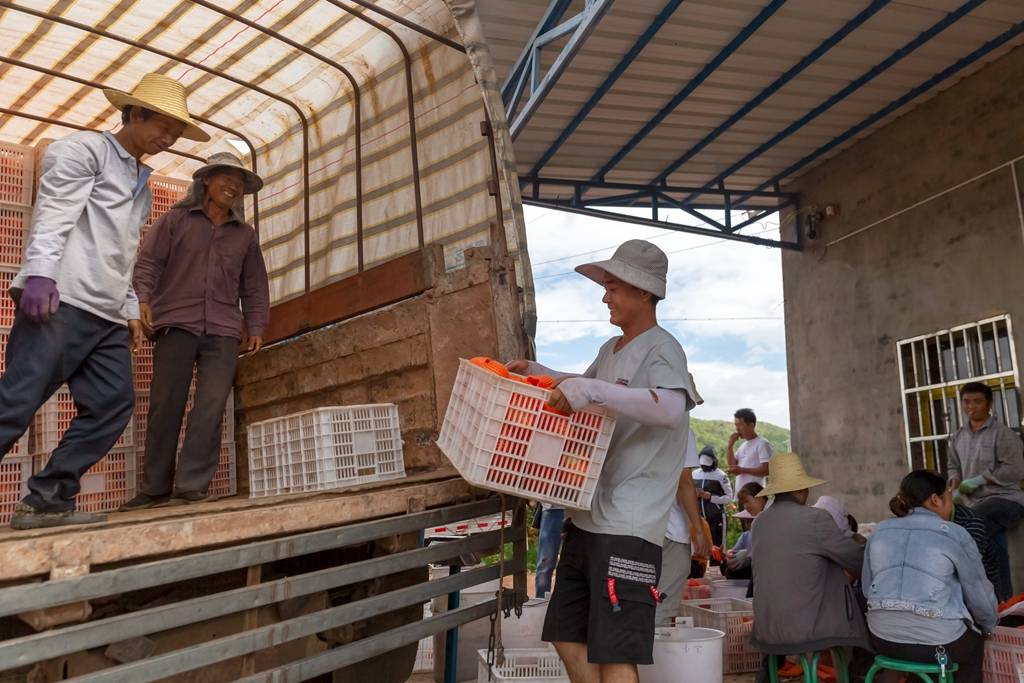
(15, 471)
(1004, 655)
(17, 163)
(499, 436)
(734, 618)
(534, 665)
(53, 419)
(14, 223)
(107, 484)
(325, 448)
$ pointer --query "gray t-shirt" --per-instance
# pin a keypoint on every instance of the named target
(641, 473)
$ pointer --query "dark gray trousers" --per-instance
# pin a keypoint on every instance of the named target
(91, 354)
(175, 353)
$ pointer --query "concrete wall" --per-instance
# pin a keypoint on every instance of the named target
(406, 353)
(956, 259)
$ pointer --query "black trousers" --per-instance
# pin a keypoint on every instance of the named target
(91, 355)
(967, 651)
(175, 353)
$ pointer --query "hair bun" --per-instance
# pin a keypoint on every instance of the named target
(899, 506)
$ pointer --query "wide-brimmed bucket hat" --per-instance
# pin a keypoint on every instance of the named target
(161, 94)
(786, 474)
(636, 262)
(253, 183)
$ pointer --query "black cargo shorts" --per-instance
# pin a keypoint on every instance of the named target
(605, 596)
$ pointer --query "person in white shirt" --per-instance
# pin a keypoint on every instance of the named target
(78, 316)
(714, 492)
(749, 462)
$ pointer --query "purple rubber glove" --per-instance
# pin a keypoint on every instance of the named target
(39, 299)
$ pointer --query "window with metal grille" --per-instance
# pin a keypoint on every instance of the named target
(934, 367)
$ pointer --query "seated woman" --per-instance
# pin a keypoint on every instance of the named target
(737, 558)
(841, 516)
(924, 582)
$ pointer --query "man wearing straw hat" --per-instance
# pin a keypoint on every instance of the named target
(602, 612)
(803, 602)
(199, 262)
(77, 313)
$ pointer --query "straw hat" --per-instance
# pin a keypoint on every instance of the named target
(786, 473)
(163, 95)
(253, 183)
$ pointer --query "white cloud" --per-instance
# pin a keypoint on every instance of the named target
(737, 360)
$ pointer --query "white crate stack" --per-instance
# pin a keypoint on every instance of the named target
(324, 449)
(499, 436)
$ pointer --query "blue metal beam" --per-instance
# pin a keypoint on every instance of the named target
(512, 88)
(692, 85)
(927, 85)
(869, 75)
(641, 42)
(781, 81)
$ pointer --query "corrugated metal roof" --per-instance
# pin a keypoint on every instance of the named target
(743, 153)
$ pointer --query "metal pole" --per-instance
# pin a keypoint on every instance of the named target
(399, 19)
(451, 637)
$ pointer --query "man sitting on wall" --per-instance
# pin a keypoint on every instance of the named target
(986, 464)
(602, 611)
(77, 313)
(200, 260)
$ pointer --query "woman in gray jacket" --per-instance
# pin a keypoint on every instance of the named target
(925, 585)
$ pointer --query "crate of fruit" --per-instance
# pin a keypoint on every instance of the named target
(734, 618)
(501, 435)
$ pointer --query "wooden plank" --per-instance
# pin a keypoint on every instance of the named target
(163, 531)
(397, 279)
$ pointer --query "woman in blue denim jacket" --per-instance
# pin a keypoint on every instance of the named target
(925, 585)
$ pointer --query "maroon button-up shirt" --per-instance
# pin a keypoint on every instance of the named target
(193, 274)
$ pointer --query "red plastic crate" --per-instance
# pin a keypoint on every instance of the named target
(14, 474)
(17, 164)
(166, 193)
(107, 485)
(5, 335)
(7, 305)
(1004, 655)
(54, 418)
(142, 366)
(225, 482)
(14, 223)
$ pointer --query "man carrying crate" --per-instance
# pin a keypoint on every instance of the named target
(77, 313)
(602, 611)
(200, 260)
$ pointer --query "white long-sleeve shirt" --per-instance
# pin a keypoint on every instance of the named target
(92, 201)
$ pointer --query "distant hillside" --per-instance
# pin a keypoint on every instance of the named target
(716, 433)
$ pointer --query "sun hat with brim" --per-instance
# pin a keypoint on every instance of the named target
(635, 262)
(786, 474)
(163, 95)
(253, 183)
(743, 514)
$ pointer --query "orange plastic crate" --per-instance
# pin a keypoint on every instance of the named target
(107, 485)
(54, 418)
(14, 474)
(1004, 655)
(17, 164)
(7, 305)
(14, 224)
(734, 618)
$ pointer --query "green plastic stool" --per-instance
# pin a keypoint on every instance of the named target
(811, 667)
(922, 671)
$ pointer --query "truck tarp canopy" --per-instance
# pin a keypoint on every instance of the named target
(251, 83)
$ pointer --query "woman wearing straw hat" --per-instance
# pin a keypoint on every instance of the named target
(802, 601)
(200, 262)
(77, 312)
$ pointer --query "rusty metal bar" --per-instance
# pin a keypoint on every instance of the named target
(412, 112)
(359, 123)
(75, 126)
(399, 19)
(100, 86)
(47, 16)
(498, 238)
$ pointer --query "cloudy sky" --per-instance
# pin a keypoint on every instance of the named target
(724, 304)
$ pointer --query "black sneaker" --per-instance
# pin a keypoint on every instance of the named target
(143, 501)
(188, 498)
(27, 517)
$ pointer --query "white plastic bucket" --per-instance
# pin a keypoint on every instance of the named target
(685, 655)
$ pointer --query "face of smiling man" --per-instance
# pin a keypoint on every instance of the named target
(224, 187)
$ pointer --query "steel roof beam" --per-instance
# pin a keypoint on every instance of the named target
(927, 85)
(922, 38)
(692, 85)
(581, 26)
(512, 88)
(781, 81)
(641, 42)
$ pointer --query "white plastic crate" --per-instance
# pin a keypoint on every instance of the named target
(14, 224)
(534, 665)
(107, 485)
(17, 173)
(499, 436)
(734, 618)
(52, 420)
(1004, 655)
(15, 471)
(325, 448)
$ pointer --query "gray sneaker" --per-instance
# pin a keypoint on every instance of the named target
(27, 517)
(143, 501)
(189, 498)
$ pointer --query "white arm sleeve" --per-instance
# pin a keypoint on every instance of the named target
(663, 408)
(536, 368)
